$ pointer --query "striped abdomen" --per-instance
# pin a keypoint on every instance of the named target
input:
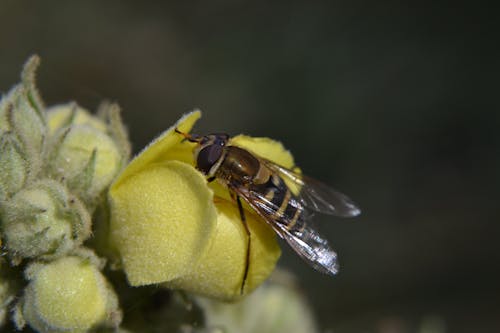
(286, 208)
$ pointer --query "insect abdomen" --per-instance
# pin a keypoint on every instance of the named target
(241, 167)
(289, 210)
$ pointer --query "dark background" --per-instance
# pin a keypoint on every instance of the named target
(394, 103)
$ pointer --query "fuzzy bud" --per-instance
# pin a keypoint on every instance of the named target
(63, 115)
(21, 114)
(68, 295)
(83, 153)
(43, 219)
(13, 166)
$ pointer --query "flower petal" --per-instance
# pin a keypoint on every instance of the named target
(267, 148)
(219, 273)
(165, 147)
(162, 220)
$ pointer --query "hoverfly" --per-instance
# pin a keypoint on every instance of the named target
(262, 184)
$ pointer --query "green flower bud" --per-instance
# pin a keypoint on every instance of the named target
(21, 114)
(43, 219)
(24, 120)
(68, 295)
(82, 151)
(13, 166)
(5, 109)
(63, 115)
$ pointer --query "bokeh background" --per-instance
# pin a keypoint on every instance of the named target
(393, 103)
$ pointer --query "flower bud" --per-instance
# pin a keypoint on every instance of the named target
(62, 115)
(43, 219)
(13, 166)
(83, 152)
(21, 114)
(69, 295)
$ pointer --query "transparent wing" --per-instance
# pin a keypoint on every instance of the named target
(307, 243)
(311, 247)
(315, 195)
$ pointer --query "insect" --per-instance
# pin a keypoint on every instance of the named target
(266, 187)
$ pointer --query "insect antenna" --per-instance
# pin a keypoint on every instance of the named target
(189, 137)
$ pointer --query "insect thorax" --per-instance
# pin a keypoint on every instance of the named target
(239, 165)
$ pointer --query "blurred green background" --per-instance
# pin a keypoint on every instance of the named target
(394, 103)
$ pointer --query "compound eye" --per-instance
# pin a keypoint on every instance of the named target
(208, 156)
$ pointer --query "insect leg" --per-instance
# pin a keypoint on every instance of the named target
(247, 259)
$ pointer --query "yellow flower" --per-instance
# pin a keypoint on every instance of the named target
(170, 226)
